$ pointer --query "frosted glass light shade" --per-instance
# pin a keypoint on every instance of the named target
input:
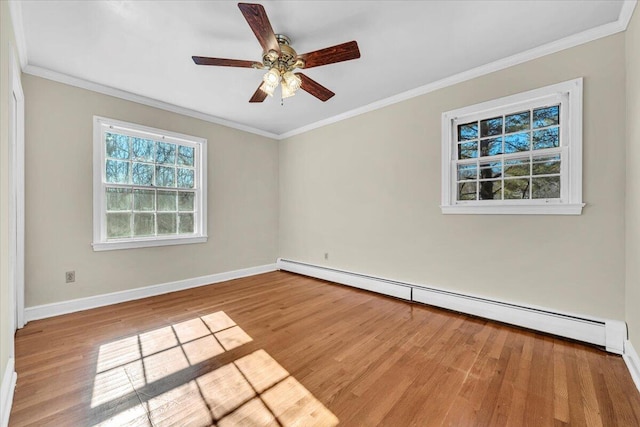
(272, 77)
(287, 91)
(292, 81)
(268, 89)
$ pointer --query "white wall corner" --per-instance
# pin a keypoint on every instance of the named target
(615, 336)
(64, 307)
(15, 9)
(6, 392)
(626, 13)
(633, 362)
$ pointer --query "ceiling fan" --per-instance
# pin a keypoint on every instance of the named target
(280, 59)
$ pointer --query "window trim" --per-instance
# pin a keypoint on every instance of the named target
(100, 243)
(569, 96)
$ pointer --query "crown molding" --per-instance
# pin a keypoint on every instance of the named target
(605, 30)
(626, 13)
(140, 99)
(566, 43)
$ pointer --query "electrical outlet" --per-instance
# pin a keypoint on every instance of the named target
(70, 276)
(326, 255)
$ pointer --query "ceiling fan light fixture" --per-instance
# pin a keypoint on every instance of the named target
(272, 78)
(292, 81)
(287, 91)
(268, 89)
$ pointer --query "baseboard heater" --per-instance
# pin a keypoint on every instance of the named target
(610, 334)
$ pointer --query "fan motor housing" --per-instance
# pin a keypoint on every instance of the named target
(288, 58)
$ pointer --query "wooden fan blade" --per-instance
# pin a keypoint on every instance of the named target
(259, 22)
(223, 62)
(315, 88)
(259, 95)
(330, 55)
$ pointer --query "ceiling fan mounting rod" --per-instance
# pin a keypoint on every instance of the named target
(283, 40)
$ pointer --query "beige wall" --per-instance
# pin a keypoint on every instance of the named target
(367, 191)
(633, 181)
(242, 199)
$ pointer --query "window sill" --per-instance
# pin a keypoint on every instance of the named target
(541, 209)
(168, 241)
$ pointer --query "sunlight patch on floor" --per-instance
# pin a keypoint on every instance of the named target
(152, 379)
(252, 413)
(232, 338)
(202, 349)
(118, 353)
(135, 416)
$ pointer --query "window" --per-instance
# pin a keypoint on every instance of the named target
(149, 186)
(521, 154)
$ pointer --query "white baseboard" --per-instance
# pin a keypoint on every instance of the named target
(604, 332)
(361, 281)
(64, 307)
(633, 362)
(6, 392)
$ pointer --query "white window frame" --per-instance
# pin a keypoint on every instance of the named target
(100, 241)
(569, 95)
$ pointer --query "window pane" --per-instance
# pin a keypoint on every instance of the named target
(516, 142)
(165, 176)
(118, 199)
(546, 138)
(167, 200)
(490, 170)
(516, 167)
(165, 153)
(186, 200)
(144, 200)
(467, 190)
(142, 174)
(185, 178)
(186, 223)
(491, 147)
(143, 149)
(516, 188)
(117, 146)
(466, 172)
(491, 190)
(118, 225)
(468, 150)
(547, 187)
(468, 131)
(548, 116)
(117, 172)
(517, 122)
(144, 224)
(491, 127)
(546, 165)
(185, 155)
(167, 223)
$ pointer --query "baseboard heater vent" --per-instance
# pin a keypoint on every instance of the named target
(610, 334)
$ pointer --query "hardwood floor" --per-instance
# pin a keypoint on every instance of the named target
(282, 349)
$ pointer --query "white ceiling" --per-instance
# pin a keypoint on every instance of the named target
(145, 47)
